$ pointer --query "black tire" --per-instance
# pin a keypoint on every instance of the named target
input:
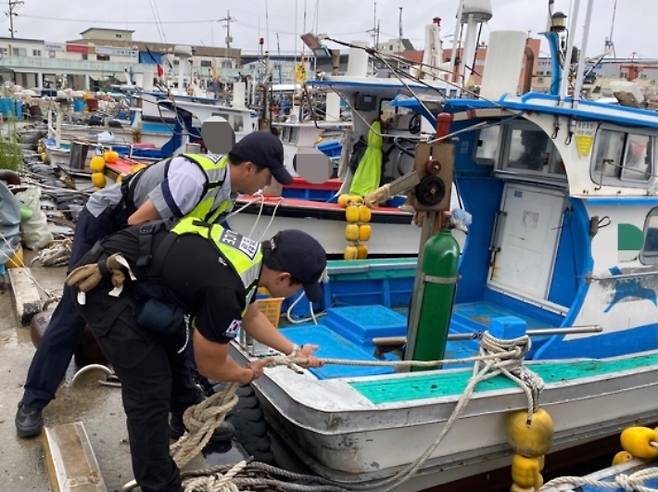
(250, 426)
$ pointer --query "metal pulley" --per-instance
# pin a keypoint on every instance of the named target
(430, 191)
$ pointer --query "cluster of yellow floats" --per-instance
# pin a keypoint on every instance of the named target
(637, 442)
(530, 439)
(358, 229)
(97, 166)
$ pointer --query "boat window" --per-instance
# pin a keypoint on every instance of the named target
(399, 118)
(637, 158)
(649, 251)
(608, 155)
(486, 149)
(529, 149)
(622, 156)
(286, 134)
(294, 131)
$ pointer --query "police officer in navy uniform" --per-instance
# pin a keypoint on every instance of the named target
(195, 185)
(211, 274)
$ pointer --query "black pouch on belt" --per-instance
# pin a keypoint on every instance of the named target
(160, 317)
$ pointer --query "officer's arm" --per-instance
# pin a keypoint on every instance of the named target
(259, 327)
(144, 213)
(213, 362)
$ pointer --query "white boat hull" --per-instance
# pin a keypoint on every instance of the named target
(342, 435)
(388, 238)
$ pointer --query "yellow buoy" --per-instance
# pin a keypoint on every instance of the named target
(352, 232)
(365, 231)
(352, 213)
(365, 214)
(526, 472)
(361, 251)
(97, 164)
(350, 253)
(532, 439)
(344, 200)
(111, 156)
(621, 457)
(637, 441)
(98, 179)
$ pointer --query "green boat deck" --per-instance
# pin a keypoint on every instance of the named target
(395, 390)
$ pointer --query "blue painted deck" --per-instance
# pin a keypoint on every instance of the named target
(347, 332)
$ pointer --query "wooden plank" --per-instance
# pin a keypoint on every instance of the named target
(70, 459)
(27, 299)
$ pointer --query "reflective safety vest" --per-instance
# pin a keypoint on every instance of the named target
(215, 172)
(244, 255)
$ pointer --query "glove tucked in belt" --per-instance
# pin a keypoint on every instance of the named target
(87, 277)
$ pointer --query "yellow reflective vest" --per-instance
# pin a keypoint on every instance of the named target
(244, 255)
(215, 172)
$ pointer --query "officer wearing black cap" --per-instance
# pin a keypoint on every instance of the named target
(203, 186)
(208, 273)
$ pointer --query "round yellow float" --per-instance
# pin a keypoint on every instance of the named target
(637, 441)
(532, 439)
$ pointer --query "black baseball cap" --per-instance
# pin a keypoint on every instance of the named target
(265, 149)
(299, 254)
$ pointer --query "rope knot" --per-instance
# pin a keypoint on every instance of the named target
(509, 362)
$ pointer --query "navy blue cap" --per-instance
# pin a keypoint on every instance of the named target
(265, 149)
(302, 256)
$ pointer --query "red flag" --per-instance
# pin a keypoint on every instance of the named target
(160, 71)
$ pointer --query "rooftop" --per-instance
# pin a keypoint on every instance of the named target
(105, 29)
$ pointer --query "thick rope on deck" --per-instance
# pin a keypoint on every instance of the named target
(201, 420)
(630, 483)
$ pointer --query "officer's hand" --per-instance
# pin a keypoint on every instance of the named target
(306, 351)
(257, 366)
(84, 277)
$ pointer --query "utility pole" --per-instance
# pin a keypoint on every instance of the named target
(400, 24)
(12, 6)
(228, 19)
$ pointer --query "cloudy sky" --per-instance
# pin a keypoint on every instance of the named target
(197, 21)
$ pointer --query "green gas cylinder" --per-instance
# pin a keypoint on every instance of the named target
(437, 293)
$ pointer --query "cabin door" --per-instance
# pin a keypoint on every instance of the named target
(525, 241)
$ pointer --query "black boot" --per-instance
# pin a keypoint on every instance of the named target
(29, 421)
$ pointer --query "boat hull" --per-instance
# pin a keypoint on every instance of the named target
(393, 234)
(342, 435)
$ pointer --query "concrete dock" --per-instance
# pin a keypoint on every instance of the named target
(22, 465)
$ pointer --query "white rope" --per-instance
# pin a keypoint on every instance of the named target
(276, 207)
(58, 253)
(494, 360)
(235, 212)
(217, 482)
(314, 317)
(630, 483)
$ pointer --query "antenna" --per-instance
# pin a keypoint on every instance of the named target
(11, 14)
(609, 44)
(400, 24)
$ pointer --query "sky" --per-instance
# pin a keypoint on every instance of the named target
(197, 21)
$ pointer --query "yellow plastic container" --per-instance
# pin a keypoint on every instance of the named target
(271, 308)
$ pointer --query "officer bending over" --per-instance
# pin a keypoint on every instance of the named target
(191, 185)
(207, 272)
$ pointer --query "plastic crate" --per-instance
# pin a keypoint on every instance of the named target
(271, 308)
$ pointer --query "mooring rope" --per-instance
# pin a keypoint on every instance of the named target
(496, 357)
(630, 483)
